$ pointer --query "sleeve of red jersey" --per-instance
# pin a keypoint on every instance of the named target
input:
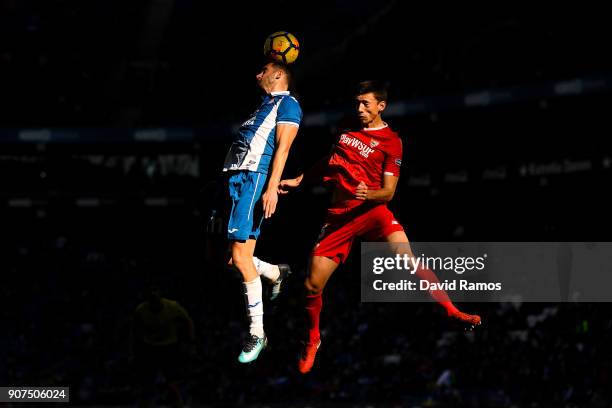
(393, 159)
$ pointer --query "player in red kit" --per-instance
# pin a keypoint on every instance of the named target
(364, 168)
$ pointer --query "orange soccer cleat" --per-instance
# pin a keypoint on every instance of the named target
(472, 320)
(307, 358)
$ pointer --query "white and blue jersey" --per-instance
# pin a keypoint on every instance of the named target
(248, 161)
(253, 148)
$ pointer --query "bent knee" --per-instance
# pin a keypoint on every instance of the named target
(239, 259)
(313, 287)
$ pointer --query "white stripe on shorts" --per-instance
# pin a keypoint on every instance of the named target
(253, 198)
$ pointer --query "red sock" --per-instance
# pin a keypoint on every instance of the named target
(314, 304)
(439, 295)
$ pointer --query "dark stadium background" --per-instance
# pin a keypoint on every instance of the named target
(115, 117)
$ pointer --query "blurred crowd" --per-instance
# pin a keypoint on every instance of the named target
(69, 300)
(142, 63)
(88, 228)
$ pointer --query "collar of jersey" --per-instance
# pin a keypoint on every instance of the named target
(279, 93)
(378, 128)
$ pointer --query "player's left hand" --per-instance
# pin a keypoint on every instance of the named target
(270, 199)
(289, 184)
(362, 191)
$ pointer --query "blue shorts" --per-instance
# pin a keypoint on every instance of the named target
(245, 219)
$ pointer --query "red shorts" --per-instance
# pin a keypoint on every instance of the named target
(343, 225)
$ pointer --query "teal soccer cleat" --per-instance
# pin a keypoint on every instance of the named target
(251, 349)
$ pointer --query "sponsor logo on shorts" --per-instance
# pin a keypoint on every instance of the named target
(398, 162)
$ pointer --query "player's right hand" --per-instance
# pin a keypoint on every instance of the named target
(287, 185)
(362, 191)
(269, 201)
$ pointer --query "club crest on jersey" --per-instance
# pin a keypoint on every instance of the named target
(374, 143)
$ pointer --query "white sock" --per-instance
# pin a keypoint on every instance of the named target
(252, 292)
(267, 270)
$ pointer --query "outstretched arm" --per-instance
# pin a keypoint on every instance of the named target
(285, 135)
(310, 176)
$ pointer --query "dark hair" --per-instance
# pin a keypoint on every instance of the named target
(285, 68)
(378, 88)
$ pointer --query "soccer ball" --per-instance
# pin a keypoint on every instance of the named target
(282, 47)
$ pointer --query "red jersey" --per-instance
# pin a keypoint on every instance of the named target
(364, 155)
